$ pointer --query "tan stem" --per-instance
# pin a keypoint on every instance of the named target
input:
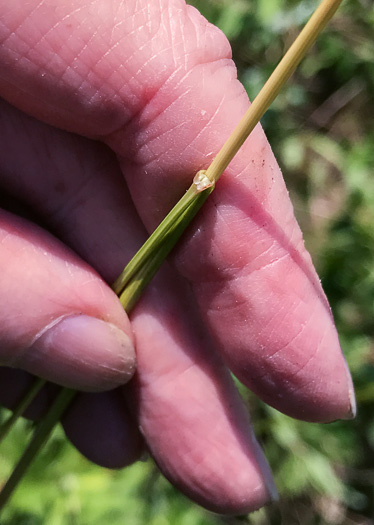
(270, 90)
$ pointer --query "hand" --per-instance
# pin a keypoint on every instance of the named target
(145, 92)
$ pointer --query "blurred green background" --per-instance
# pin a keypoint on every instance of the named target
(321, 129)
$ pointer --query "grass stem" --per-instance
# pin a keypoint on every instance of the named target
(272, 87)
(21, 407)
(40, 435)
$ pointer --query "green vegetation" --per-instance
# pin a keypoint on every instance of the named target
(322, 134)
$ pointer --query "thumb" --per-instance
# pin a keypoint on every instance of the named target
(70, 327)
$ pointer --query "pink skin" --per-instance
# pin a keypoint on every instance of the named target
(156, 85)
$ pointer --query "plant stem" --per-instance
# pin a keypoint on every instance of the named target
(274, 84)
(142, 268)
(21, 407)
(39, 437)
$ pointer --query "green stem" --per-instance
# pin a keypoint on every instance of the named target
(39, 437)
(173, 226)
(21, 407)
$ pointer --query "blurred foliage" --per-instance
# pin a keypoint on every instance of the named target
(321, 130)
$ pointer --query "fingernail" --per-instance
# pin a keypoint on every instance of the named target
(351, 414)
(82, 352)
(266, 472)
(352, 400)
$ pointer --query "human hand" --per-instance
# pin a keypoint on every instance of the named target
(156, 85)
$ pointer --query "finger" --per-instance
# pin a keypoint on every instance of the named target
(160, 416)
(101, 428)
(253, 278)
(195, 424)
(58, 318)
(73, 186)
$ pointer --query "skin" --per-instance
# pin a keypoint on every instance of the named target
(108, 111)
